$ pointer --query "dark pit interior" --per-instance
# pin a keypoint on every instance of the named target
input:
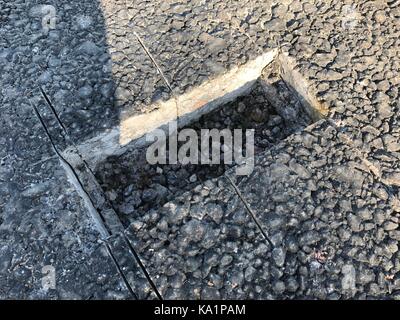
(133, 186)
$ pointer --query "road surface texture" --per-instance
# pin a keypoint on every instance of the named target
(318, 218)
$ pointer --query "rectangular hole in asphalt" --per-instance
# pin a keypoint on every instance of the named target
(133, 186)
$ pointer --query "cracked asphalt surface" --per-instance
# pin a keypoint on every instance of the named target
(317, 219)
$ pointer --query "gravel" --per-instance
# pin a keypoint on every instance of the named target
(158, 184)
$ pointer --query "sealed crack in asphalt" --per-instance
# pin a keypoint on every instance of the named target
(74, 179)
(121, 273)
(250, 211)
(157, 66)
(101, 223)
(375, 172)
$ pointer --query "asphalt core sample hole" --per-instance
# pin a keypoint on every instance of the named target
(133, 186)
